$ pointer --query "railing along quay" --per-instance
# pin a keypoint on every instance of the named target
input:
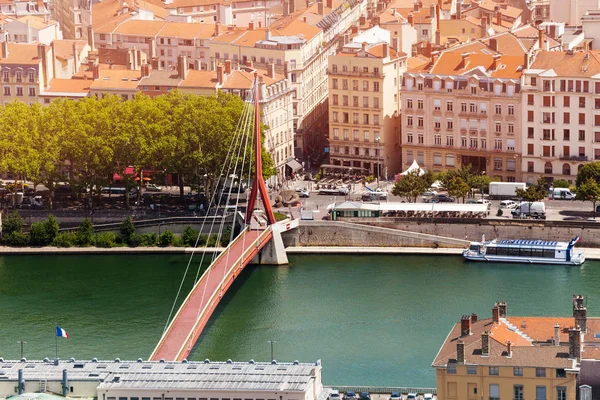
(383, 390)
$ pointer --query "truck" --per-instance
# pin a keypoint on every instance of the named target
(526, 209)
(505, 190)
(561, 194)
(341, 191)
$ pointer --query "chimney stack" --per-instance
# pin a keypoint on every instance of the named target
(556, 335)
(330, 4)
(5, 50)
(580, 313)
(362, 20)
(364, 46)
(460, 352)
(499, 18)
(250, 26)
(91, 39)
(182, 67)
(458, 9)
(541, 38)
(286, 8)
(96, 71)
(227, 67)
(411, 20)
(292, 6)
(503, 309)
(465, 325)
(75, 55)
(386, 50)
(286, 70)
(416, 6)
(217, 29)
(151, 48)
(155, 63)
(509, 349)
(321, 7)
(220, 74)
(146, 68)
(271, 70)
(496, 314)
(485, 343)
(494, 44)
(21, 382)
(575, 343)
(473, 318)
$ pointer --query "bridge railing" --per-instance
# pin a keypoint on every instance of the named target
(235, 264)
(383, 390)
(222, 254)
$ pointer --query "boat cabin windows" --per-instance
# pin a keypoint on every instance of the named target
(519, 252)
(474, 247)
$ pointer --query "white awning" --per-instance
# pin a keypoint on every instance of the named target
(293, 164)
(414, 167)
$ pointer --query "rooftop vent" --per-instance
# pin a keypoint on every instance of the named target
(140, 360)
(94, 360)
(117, 360)
(184, 361)
(251, 362)
(207, 361)
(229, 361)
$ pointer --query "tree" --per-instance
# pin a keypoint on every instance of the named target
(531, 194)
(589, 170)
(410, 186)
(561, 183)
(127, 229)
(85, 233)
(589, 191)
(480, 182)
(13, 223)
(458, 188)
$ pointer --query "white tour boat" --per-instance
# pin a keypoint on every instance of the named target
(525, 251)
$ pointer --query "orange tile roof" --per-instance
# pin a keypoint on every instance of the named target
(114, 79)
(191, 3)
(295, 28)
(564, 64)
(502, 334)
(541, 329)
(508, 44)
(200, 79)
(140, 28)
(454, 64)
(21, 54)
(190, 31)
(248, 38)
(57, 85)
(64, 48)
(418, 63)
(36, 22)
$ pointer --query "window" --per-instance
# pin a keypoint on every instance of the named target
(530, 166)
(581, 118)
(518, 371)
(582, 135)
(582, 102)
(365, 102)
(494, 371)
(450, 160)
(355, 118)
(437, 140)
(5, 76)
(420, 139)
(561, 392)
(409, 121)
(335, 99)
(334, 82)
(449, 124)
(366, 86)
(102, 36)
(420, 104)
(365, 119)
(566, 118)
(19, 91)
(355, 101)
(566, 134)
(409, 103)
(530, 132)
(409, 138)
(356, 135)
(449, 140)
(346, 118)
(561, 373)
(471, 369)
(345, 84)
(31, 92)
(518, 392)
(345, 100)
(437, 104)
(529, 149)
(376, 86)
(336, 133)
(448, 106)
(354, 84)
(498, 127)
(472, 107)
(498, 164)
(19, 76)
(498, 109)
(420, 122)
(335, 116)
(375, 102)
(463, 107)
(346, 134)
(366, 136)
(529, 116)
(437, 159)
(31, 76)
(511, 110)
(7, 90)
(494, 392)
(375, 119)
(511, 128)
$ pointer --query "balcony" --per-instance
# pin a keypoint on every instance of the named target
(573, 158)
(369, 74)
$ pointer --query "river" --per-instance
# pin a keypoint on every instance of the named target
(372, 320)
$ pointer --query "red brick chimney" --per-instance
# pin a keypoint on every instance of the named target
(509, 349)
(96, 71)
(364, 46)
(362, 20)
(465, 325)
(386, 50)
(496, 314)
(220, 74)
(541, 38)
(460, 352)
(499, 18)
(502, 307)
(271, 70)
(473, 318)
(250, 26)
(321, 7)
(227, 67)
(146, 69)
(411, 20)
(217, 29)
(485, 344)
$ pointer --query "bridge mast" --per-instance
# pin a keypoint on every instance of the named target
(258, 185)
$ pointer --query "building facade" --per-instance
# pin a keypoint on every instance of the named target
(364, 107)
(560, 114)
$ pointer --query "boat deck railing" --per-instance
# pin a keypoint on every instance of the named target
(382, 389)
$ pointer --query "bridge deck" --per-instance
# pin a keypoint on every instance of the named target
(194, 313)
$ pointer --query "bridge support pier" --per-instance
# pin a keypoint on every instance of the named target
(273, 253)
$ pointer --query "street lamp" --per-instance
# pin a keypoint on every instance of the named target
(271, 342)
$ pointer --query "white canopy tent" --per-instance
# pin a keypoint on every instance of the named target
(414, 167)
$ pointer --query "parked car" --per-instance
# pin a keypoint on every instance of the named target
(304, 193)
(411, 396)
(440, 198)
(349, 395)
(151, 187)
(396, 396)
(334, 395)
(430, 193)
(365, 396)
(428, 396)
(508, 204)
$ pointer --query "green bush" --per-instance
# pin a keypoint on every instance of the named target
(12, 223)
(135, 240)
(226, 237)
(127, 229)
(149, 239)
(38, 235)
(167, 238)
(65, 239)
(189, 236)
(279, 216)
(51, 226)
(85, 233)
(211, 240)
(370, 179)
(17, 239)
(106, 239)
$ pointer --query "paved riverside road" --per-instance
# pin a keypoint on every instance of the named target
(176, 337)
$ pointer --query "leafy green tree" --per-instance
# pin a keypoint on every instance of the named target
(458, 188)
(531, 194)
(127, 229)
(51, 227)
(167, 238)
(12, 223)
(561, 183)
(43, 233)
(589, 170)
(410, 186)
(481, 182)
(189, 236)
(85, 233)
(589, 191)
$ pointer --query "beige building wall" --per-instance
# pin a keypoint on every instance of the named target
(464, 386)
(364, 110)
(451, 121)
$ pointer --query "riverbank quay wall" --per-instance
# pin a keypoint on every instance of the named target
(435, 232)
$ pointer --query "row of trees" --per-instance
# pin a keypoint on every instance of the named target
(84, 143)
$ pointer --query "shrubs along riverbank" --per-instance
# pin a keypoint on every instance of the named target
(47, 233)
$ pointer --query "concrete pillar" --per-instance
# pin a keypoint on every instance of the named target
(274, 252)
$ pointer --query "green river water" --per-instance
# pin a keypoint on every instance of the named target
(373, 320)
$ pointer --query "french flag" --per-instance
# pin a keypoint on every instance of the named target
(60, 332)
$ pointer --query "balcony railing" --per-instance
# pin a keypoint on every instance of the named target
(369, 74)
(574, 158)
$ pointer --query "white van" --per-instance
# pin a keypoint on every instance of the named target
(562, 194)
(508, 204)
(536, 209)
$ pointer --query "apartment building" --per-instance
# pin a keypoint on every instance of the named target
(465, 110)
(561, 114)
(30, 29)
(399, 28)
(16, 8)
(364, 107)
(303, 47)
(74, 16)
(240, 13)
(519, 357)
(570, 12)
(26, 71)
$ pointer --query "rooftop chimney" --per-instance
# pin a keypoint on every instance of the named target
(432, 12)
(75, 55)
(458, 9)
(498, 18)
(496, 313)
(286, 70)
(250, 26)
(5, 49)
(411, 20)
(227, 67)
(473, 318)
(292, 6)
(362, 20)
(575, 343)
(465, 325)
(96, 71)
(580, 312)
(271, 70)
(151, 48)
(364, 46)
(494, 44)
(509, 349)
(541, 38)
(220, 74)
(485, 343)
(217, 29)
(321, 8)
(355, 29)
(182, 67)
(556, 335)
(155, 63)
(460, 352)
(146, 69)
(416, 6)
(386, 50)
(330, 4)
(286, 8)
(503, 309)
(91, 39)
